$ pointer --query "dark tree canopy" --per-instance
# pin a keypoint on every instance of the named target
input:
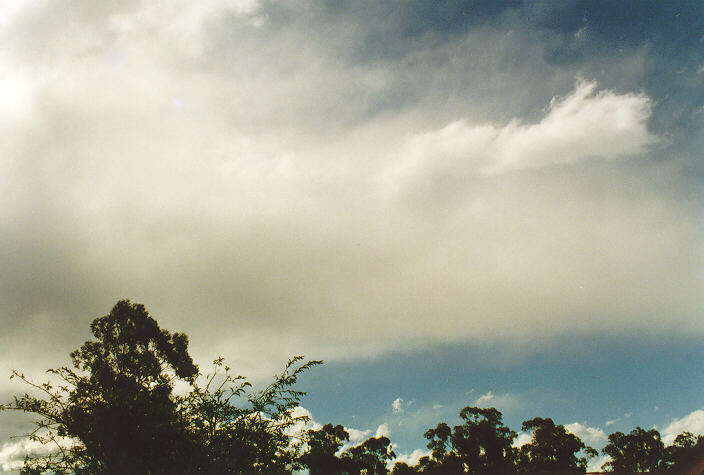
(639, 451)
(481, 444)
(115, 411)
(371, 456)
(551, 449)
(323, 444)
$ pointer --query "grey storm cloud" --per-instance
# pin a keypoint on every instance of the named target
(337, 180)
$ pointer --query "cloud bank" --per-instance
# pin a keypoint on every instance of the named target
(263, 182)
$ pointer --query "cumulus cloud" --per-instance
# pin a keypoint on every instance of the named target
(588, 435)
(692, 422)
(413, 457)
(595, 464)
(12, 454)
(503, 402)
(521, 439)
(397, 405)
(383, 430)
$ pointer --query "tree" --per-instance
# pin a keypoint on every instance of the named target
(371, 455)
(402, 468)
(115, 411)
(638, 451)
(255, 435)
(323, 444)
(551, 449)
(686, 449)
(481, 444)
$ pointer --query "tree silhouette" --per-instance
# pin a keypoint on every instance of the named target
(481, 444)
(551, 449)
(115, 411)
(685, 450)
(323, 444)
(639, 451)
(370, 456)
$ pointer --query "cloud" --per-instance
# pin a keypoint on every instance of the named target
(585, 124)
(397, 405)
(692, 422)
(383, 430)
(521, 439)
(413, 457)
(588, 435)
(234, 161)
(356, 436)
(610, 422)
(12, 454)
(595, 464)
(503, 402)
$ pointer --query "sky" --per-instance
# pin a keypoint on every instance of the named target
(451, 203)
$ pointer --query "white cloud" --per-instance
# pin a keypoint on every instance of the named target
(503, 402)
(692, 422)
(485, 399)
(356, 436)
(257, 203)
(595, 464)
(585, 124)
(588, 435)
(383, 430)
(397, 405)
(413, 457)
(12, 454)
(612, 421)
(521, 439)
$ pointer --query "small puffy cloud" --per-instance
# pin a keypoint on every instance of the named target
(692, 422)
(357, 436)
(612, 421)
(596, 464)
(589, 435)
(397, 405)
(503, 402)
(485, 399)
(382, 430)
(521, 439)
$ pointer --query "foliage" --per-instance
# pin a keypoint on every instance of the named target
(481, 444)
(370, 456)
(323, 444)
(685, 450)
(638, 451)
(115, 411)
(402, 468)
(551, 449)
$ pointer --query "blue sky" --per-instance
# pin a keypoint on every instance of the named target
(449, 202)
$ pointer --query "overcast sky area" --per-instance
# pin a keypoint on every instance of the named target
(450, 203)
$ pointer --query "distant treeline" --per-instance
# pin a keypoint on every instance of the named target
(115, 411)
